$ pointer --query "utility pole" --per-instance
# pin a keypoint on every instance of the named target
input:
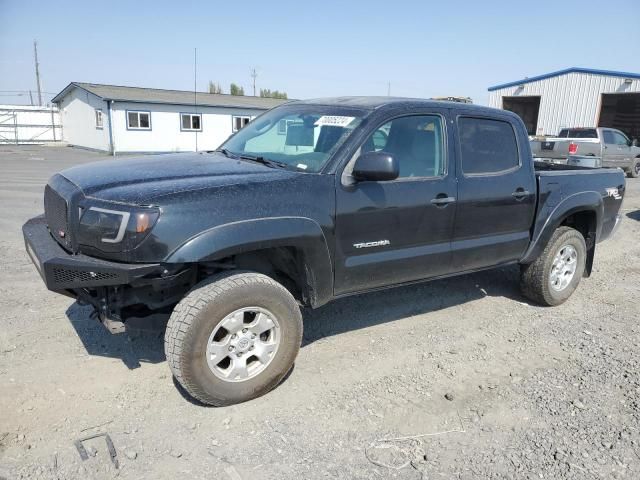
(195, 91)
(254, 74)
(35, 53)
(388, 89)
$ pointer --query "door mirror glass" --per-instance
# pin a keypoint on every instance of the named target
(376, 167)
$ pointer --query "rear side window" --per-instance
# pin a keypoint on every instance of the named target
(487, 146)
(578, 133)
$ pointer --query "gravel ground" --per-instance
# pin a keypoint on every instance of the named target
(454, 379)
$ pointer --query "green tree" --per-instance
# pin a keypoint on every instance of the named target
(267, 93)
(214, 87)
(236, 90)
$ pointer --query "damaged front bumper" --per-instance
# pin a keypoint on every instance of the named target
(119, 292)
(62, 271)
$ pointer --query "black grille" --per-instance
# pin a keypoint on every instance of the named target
(55, 211)
(71, 275)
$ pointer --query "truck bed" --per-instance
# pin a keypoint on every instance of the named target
(601, 188)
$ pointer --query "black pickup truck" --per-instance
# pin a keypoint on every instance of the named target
(312, 201)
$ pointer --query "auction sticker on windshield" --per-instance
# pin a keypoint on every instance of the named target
(334, 121)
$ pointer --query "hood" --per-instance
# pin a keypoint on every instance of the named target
(142, 180)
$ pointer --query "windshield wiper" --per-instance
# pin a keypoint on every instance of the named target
(227, 153)
(264, 161)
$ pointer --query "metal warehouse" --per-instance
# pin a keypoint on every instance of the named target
(131, 119)
(574, 97)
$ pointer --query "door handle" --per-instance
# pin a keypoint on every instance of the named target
(443, 201)
(520, 193)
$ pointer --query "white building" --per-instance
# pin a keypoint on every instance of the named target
(131, 119)
(575, 97)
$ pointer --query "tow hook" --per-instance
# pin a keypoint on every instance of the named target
(113, 325)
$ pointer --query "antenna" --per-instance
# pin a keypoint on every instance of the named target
(35, 54)
(195, 90)
(388, 89)
(254, 74)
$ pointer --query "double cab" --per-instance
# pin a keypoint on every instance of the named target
(312, 201)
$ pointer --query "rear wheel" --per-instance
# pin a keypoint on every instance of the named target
(634, 171)
(233, 338)
(556, 273)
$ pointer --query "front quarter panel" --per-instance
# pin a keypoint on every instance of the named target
(303, 234)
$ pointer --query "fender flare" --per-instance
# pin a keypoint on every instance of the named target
(301, 233)
(590, 201)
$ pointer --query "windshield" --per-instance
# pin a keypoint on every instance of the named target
(301, 137)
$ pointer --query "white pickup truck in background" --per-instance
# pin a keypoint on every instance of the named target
(612, 146)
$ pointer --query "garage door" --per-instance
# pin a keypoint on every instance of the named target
(621, 111)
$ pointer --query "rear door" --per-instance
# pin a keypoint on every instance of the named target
(398, 231)
(496, 192)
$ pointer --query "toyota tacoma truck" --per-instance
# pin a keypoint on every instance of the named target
(612, 146)
(312, 201)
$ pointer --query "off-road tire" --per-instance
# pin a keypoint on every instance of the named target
(634, 172)
(534, 277)
(198, 313)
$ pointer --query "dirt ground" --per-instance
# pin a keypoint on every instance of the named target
(531, 392)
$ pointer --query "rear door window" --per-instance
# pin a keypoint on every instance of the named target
(487, 146)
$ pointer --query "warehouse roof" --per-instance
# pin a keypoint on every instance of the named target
(175, 97)
(609, 73)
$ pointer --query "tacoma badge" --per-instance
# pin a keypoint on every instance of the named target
(379, 243)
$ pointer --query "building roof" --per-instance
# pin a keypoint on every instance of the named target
(608, 73)
(175, 97)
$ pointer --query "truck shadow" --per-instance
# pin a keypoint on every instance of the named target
(362, 311)
(133, 347)
(635, 215)
(352, 313)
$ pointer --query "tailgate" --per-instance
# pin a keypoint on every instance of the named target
(550, 148)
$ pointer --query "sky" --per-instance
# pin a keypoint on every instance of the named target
(422, 48)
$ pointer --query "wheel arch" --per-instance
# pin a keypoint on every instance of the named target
(582, 211)
(294, 248)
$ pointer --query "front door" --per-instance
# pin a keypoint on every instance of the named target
(496, 193)
(615, 148)
(623, 149)
(398, 231)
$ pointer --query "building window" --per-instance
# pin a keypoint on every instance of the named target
(190, 122)
(99, 120)
(239, 122)
(138, 120)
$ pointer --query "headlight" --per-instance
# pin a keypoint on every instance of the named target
(112, 230)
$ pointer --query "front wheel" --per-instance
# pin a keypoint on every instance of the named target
(233, 337)
(556, 273)
(634, 171)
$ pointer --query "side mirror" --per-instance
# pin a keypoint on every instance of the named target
(375, 166)
(634, 142)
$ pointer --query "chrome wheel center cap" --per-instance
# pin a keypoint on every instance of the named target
(243, 344)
